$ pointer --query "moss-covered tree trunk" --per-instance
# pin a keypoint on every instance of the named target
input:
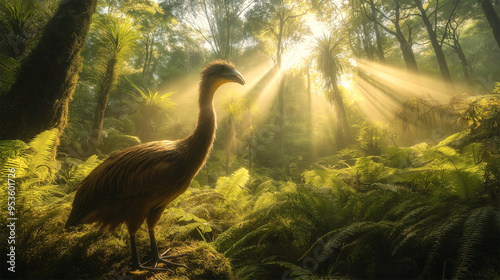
(108, 84)
(39, 98)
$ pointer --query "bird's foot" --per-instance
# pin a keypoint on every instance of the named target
(161, 258)
(142, 269)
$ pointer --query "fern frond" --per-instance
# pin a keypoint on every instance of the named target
(441, 233)
(234, 185)
(43, 145)
(293, 270)
(80, 170)
(474, 233)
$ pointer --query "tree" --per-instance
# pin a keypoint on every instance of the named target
(39, 98)
(116, 38)
(152, 112)
(277, 25)
(20, 25)
(378, 37)
(397, 17)
(157, 23)
(219, 23)
(431, 31)
(328, 61)
(451, 38)
(492, 18)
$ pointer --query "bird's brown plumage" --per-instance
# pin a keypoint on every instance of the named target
(137, 183)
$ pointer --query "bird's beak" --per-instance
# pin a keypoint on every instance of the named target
(236, 77)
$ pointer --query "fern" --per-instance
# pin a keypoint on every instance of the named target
(234, 185)
(80, 170)
(472, 239)
(41, 162)
(292, 271)
(8, 70)
(189, 224)
(441, 233)
(34, 169)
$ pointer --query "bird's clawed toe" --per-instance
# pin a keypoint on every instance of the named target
(154, 268)
(161, 258)
(165, 259)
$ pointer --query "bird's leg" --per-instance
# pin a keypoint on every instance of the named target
(135, 258)
(161, 258)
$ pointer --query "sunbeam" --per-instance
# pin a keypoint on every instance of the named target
(383, 88)
(267, 95)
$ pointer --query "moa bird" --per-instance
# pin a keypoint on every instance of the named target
(138, 183)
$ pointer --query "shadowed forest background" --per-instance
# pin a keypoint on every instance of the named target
(364, 145)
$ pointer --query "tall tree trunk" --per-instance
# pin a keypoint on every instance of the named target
(407, 51)
(492, 18)
(367, 43)
(309, 112)
(463, 60)
(408, 55)
(108, 83)
(441, 59)
(39, 98)
(378, 38)
(281, 91)
(343, 132)
(465, 65)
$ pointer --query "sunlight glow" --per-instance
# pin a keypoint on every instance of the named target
(383, 88)
(186, 92)
(268, 94)
(293, 57)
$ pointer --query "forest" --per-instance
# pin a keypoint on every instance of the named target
(364, 144)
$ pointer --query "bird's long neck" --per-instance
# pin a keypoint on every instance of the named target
(200, 141)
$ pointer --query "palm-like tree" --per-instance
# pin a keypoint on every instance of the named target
(20, 25)
(116, 38)
(329, 64)
(152, 109)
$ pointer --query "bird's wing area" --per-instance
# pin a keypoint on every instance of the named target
(131, 172)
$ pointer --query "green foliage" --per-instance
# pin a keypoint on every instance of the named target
(8, 69)
(402, 214)
(497, 88)
(34, 168)
(329, 62)
(152, 111)
(116, 141)
(80, 169)
(20, 22)
(233, 186)
(116, 37)
(482, 115)
(372, 139)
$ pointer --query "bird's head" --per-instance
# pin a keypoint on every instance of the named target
(220, 72)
